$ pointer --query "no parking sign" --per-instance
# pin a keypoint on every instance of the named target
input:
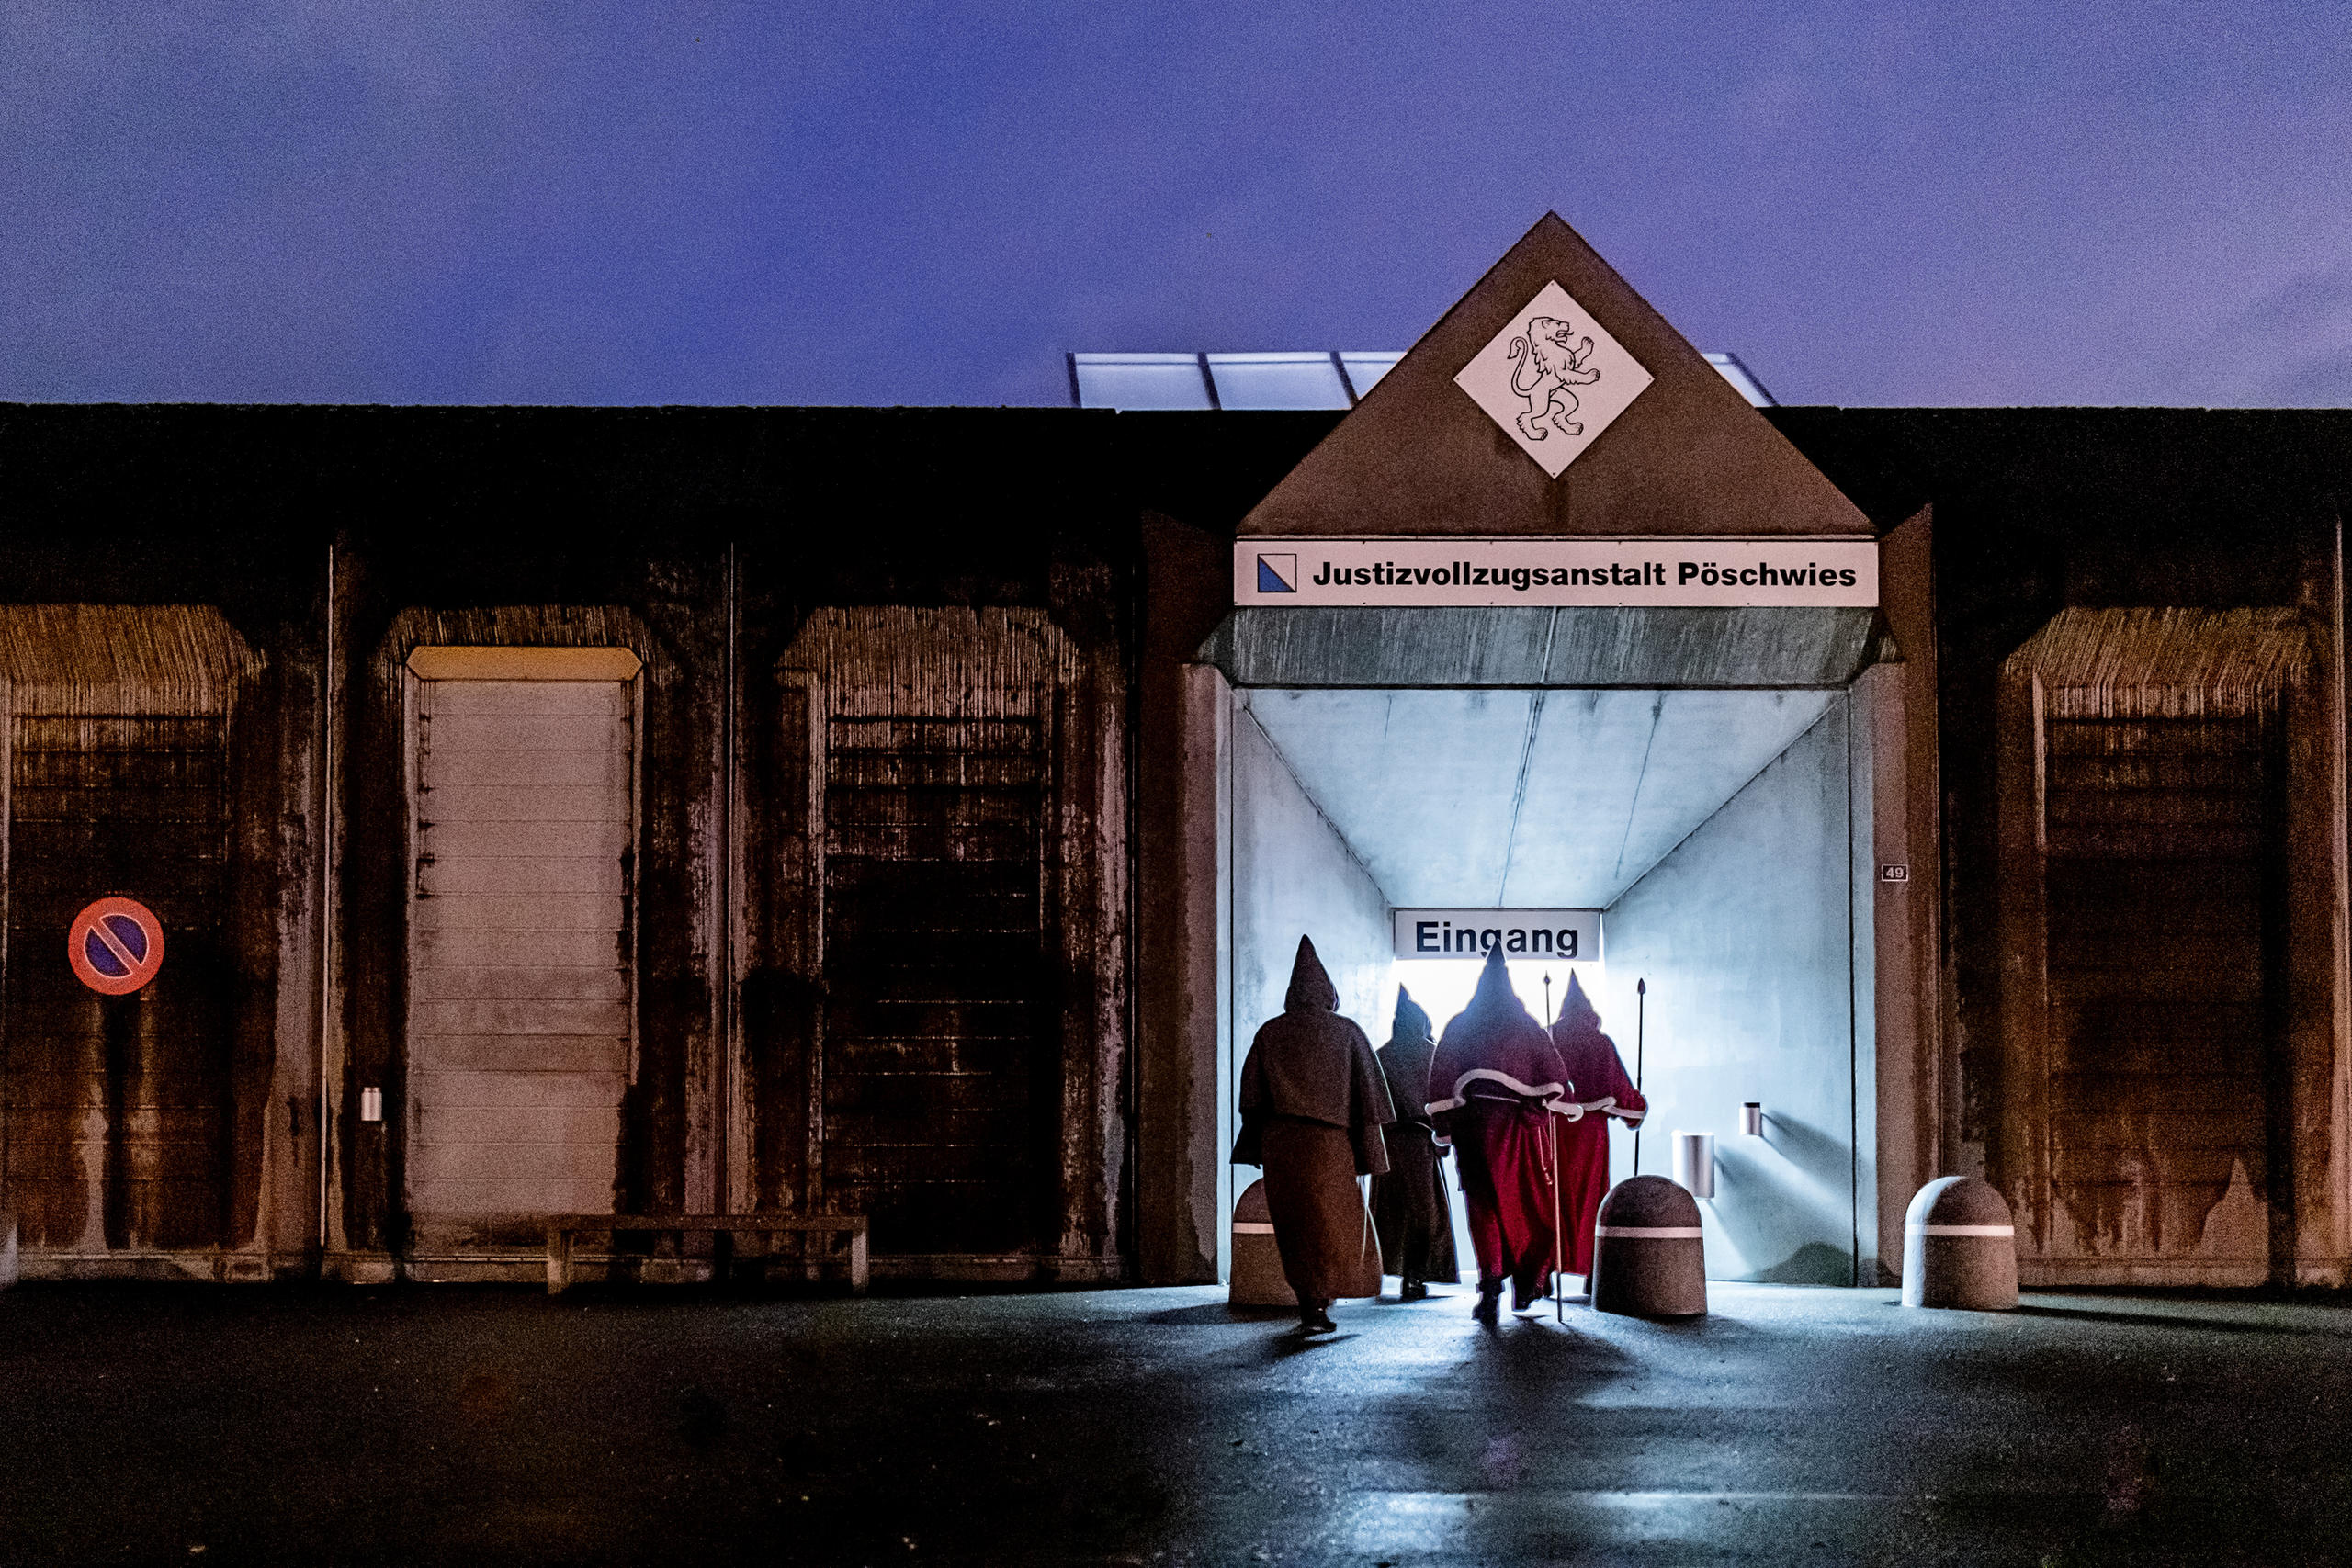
(115, 945)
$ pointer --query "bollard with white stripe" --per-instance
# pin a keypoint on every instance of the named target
(1959, 1248)
(1258, 1278)
(1649, 1257)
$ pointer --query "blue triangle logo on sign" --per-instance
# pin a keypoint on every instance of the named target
(1277, 574)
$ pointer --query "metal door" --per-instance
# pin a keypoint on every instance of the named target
(521, 966)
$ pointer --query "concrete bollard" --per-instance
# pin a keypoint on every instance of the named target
(1648, 1257)
(7, 1248)
(1258, 1278)
(1959, 1248)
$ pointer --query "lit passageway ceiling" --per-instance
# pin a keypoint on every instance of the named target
(1532, 798)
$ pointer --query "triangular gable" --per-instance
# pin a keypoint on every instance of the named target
(1683, 454)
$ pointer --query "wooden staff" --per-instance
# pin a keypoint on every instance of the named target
(1559, 1291)
(1559, 1308)
(1641, 1006)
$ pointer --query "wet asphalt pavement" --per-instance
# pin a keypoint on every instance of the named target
(441, 1425)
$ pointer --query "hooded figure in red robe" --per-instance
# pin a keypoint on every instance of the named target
(1313, 1104)
(1408, 1205)
(1495, 1087)
(1604, 1089)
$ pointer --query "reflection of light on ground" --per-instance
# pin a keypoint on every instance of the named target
(1443, 986)
(1496, 1525)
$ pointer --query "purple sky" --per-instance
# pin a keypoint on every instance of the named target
(1878, 202)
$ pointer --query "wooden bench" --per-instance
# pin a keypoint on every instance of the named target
(562, 1228)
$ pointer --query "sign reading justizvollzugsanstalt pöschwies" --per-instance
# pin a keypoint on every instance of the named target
(1428, 571)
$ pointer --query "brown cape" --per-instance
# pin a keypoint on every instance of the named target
(1311, 1064)
(1410, 1207)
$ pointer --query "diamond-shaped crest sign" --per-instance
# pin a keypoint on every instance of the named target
(1554, 379)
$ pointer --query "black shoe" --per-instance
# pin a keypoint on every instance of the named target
(1317, 1321)
(1414, 1291)
(1490, 1308)
(1526, 1298)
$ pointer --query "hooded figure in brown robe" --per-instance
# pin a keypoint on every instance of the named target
(1494, 1086)
(1408, 1204)
(1313, 1104)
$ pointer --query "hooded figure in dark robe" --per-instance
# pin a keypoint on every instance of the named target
(1604, 1089)
(1313, 1104)
(1496, 1087)
(1408, 1204)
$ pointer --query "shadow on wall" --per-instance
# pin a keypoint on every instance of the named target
(1794, 1177)
(1815, 1263)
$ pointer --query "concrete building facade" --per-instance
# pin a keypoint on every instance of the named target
(905, 813)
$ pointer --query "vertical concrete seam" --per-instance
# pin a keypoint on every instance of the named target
(1228, 1025)
(7, 829)
(1526, 755)
(2341, 915)
(1519, 792)
(729, 1199)
(1853, 1019)
(325, 851)
(1658, 711)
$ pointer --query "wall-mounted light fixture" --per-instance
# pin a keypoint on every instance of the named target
(1752, 1119)
(371, 1105)
(1694, 1163)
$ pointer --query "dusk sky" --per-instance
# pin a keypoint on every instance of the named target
(1872, 203)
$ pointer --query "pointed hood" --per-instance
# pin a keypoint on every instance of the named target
(1591, 1060)
(1494, 1048)
(1405, 1060)
(1310, 987)
(1310, 1064)
(1494, 996)
(1412, 1023)
(1577, 1012)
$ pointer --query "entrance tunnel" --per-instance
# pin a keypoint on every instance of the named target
(1723, 835)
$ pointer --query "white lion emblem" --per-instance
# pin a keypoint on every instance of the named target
(1543, 366)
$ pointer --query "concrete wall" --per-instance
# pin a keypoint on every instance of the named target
(1294, 874)
(1184, 722)
(1747, 937)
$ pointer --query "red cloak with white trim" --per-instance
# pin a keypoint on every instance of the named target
(1495, 1085)
(1604, 1089)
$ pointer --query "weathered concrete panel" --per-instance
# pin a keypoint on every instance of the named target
(1295, 875)
(1748, 936)
(1568, 646)
(143, 755)
(2169, 1011)
(936, 1013)
(1518, 797)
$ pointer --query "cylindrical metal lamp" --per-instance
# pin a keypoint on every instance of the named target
(1694, 1163)
(1752, 1119)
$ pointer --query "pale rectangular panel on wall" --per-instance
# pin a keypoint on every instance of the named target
(521, 971)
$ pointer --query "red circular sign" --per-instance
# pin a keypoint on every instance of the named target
(116, 945)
